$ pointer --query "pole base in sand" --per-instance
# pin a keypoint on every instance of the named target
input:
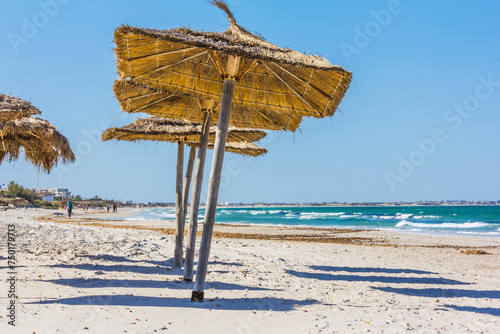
(197, 296)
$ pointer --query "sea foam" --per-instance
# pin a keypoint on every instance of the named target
(316, 215)
(442, 225)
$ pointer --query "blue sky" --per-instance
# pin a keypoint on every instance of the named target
(419, 122)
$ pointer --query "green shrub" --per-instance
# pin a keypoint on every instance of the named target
(15, 190)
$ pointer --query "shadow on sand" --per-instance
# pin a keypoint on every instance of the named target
(134, 283)
(264, 304)
(123, 264)
(121, 268)
(371, 270)
(484, 310)
(450, 293)
(441, 293)
(424, 292)
(165, 263)
(375, 279)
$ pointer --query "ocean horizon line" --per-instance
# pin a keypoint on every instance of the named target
(338, 204)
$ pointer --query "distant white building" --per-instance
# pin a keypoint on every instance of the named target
(57, 193)
(48, 198)
(127, 201)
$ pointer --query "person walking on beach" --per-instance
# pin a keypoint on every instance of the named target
(70, 208)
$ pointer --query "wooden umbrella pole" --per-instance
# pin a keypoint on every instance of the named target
(187, 184)
(195, 198)
(215, 175)
(179, 232)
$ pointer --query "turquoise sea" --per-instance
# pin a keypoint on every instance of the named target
(462, 220)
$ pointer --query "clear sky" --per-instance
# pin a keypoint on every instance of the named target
(420, 121)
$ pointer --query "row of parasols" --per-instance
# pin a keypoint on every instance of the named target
(215, 90)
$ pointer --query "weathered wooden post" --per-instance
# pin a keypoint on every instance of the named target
(233, 65)
(195, 197)
(187, 185)
(179, 233)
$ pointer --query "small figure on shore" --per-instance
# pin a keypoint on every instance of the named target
(107, 207)
(70, 208)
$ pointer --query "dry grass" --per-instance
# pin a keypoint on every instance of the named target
(474, 252)
(296, 234)
(328, 237)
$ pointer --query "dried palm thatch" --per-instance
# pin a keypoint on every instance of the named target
(35, 151)
(43, 145)
(134, 133)
(14, 108)
(137, 97)
(242, 148)
(270, 78)
(175, 130)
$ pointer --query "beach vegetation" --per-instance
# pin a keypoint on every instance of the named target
(15, 190)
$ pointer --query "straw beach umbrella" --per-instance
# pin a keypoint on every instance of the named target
(135, 97)
(236, 68)
(14, 108)
(182, 131)
(42, 144)
(174, 130)
(241, 148)
(37, 152)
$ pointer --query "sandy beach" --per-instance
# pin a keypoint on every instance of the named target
(88, 275)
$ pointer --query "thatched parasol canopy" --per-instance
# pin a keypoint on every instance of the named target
(14, 108)
(175, 130)
(239, 147)
(43, 145)
(138, 97)
(270, 78)
(242, 148)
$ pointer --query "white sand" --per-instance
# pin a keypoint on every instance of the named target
(85, 279)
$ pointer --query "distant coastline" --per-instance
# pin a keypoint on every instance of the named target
(332, 204)
(364, 204)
